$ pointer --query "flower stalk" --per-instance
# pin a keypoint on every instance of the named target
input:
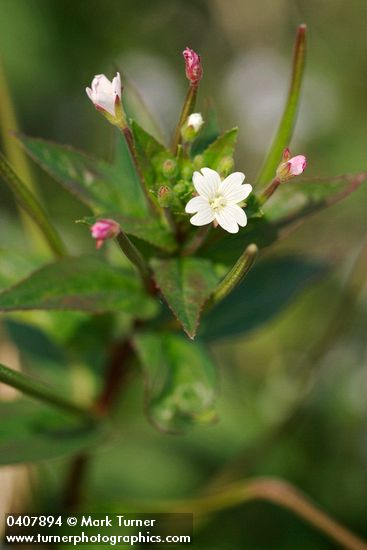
(194, 73)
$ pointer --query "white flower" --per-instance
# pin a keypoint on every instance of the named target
(218, 200)
(196, 121)
(104, 93)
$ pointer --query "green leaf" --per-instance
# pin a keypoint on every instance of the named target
(286, 125)
(186, 284)
(87, 283)
(295, 201)
(30, 432)
(180, 381)
(266, 291)
(222, 147)
(99, 185)
(148, 151)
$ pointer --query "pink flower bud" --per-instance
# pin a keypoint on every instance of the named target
(104, 229)
(291, 166)
(106, 94)
(194, 70)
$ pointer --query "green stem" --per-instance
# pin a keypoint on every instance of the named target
(26, 199)
(40, 391)
(187, 109)
(285, 129)
(133, 254)
(237, 273)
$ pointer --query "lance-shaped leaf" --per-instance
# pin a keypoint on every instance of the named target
(99, 185)
(286, 125)
(295, 201)
(266, 291)
(87, 283)
(221, 148)
(180, 381)
(30, 432)
(186, 283)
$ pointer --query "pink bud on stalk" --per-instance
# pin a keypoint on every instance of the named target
(193, 67)
(290, 166)
(104, 229)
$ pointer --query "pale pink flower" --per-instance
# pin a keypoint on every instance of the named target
(104, 94)
(193, 67)
(217, 200)
(104, 229)
(291, 166)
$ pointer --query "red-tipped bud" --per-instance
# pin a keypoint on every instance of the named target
(104, 229)
(290, 166)
(193, 67)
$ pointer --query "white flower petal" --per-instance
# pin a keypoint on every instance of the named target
(226, 220)
(238, 194)
(196, 204)
(102, 93)
(203, 217)
(89, 93)
(116, 85)
(232, 181)
(237, 214)
(203, 185)
(212, 177)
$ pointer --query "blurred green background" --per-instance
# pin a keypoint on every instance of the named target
(50, 50)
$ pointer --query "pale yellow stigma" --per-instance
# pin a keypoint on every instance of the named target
(217, 203)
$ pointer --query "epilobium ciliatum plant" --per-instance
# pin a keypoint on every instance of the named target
(189, 228)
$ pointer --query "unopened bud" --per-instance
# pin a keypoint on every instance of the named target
(169, 168)
(290, 166)
(192, 127)
(106, 97)
(165, 196)
(193, 68)
(104, 229)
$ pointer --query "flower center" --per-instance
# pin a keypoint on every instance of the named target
(217, 203)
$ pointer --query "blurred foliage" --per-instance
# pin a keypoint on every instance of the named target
(50, 51)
